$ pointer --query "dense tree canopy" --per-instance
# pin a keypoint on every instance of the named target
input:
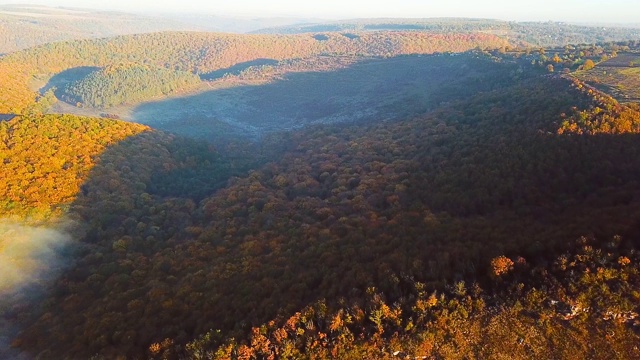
(126, 84)
(399, 206)
(45, 160)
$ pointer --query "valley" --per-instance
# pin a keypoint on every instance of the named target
(275, 100)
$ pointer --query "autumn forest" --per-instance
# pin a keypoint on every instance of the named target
(356, 190)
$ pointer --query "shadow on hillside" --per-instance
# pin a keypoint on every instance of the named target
(236, 69)
(396, 88)
(146, 269)
(139, 202)
(61, 79)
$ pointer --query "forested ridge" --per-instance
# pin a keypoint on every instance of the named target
(497, 217)
(201, 53)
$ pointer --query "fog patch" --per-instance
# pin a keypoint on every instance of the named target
(29, 255)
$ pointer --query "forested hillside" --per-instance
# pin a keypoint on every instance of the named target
(483, 204)
(201, 53)
(371, 223)
(587, 309)
(47, 158)
(126, 84)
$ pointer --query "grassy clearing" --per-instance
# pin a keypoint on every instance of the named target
(616, 77)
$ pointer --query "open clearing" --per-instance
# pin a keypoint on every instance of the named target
(619, 77)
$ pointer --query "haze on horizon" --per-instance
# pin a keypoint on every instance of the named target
(582, 11)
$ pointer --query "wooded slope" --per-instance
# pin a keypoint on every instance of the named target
(201, 53)
(347, 209)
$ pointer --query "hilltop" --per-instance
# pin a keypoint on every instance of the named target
(619, 76)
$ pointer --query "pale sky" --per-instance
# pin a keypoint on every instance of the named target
(603, 11)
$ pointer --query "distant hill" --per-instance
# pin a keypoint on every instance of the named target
(25, 26)
(377, 24)
(542, 34)
(202, 53)
(241, 24)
